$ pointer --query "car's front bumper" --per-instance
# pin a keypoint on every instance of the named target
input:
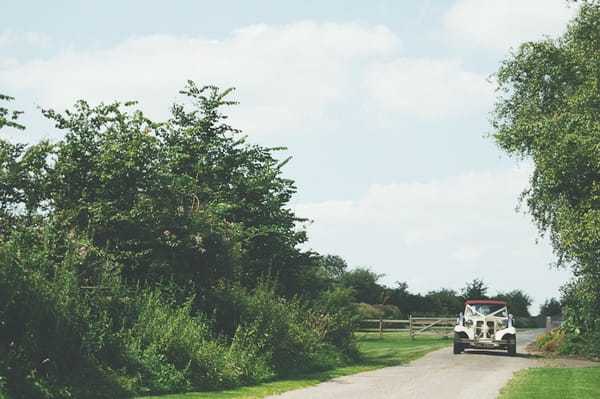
(484, 343)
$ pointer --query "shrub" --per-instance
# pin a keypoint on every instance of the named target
(67, 333)
(389, 311)
(585, 344)
(567, 340)
(168, 349)
(367, 311)
(339, 319)
(277, 336)
(276, 326)
(550, 340)
(44, 324)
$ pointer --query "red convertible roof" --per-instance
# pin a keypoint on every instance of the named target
(485, 302)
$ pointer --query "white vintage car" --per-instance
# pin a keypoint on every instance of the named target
(485, 324)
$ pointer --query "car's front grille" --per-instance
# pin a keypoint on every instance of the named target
(482, 332)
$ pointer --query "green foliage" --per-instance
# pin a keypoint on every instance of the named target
(136, 340)
(583, 344)
(130, 254)
(23, 183)
(7, 117)
(366, 311)
(363, 283)
(45, 323)
(296, 338)
(164, 344)
(518, 302)
(332, 266)
(379, 311)
(550, 340)
(152, 257)
(409, 303)
(182, 200)
(375, 353)
(547, 112)
(580, 330)
(446, 302)
(476, 289)
(551, 307)
(335, 318)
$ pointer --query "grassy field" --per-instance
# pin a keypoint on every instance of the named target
(392, 349)
(554, 383)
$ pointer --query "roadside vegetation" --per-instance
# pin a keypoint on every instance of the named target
(141, 257)
(547, 114)
(375, 352)
(156, 257)
(558, 341)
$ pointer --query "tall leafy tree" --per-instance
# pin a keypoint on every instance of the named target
(476, 289)
(186, 199)
(363, 283)
(241, 185)
(548, 112)
(445, 302)
(518, 302)
(23, 175)
(551, 307)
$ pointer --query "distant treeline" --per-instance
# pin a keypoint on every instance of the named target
(399, 303)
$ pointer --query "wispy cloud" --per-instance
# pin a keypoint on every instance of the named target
(24, 38)
(429, 88)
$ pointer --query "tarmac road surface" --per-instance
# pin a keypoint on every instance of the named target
(477, 374)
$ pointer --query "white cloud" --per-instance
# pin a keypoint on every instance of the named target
(440, 234)
(429, 88)
(499, 25)
(286, 76)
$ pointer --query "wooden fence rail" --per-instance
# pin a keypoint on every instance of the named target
(442, 326)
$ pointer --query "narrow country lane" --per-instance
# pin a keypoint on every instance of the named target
(440, 374)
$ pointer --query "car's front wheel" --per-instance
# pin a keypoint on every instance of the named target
(458, 346)
(512, 346)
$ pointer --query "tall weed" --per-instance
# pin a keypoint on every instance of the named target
(66, 332)
(290, 336)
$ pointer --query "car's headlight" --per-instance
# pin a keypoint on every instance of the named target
(469, 323)
(502, 323)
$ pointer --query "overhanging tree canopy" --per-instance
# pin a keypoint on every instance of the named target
(549, 112)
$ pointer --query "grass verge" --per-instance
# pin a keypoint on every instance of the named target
(390, 350)
(554, 383)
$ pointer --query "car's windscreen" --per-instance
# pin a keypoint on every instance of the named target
(486, 309)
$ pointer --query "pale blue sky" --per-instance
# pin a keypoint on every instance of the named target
(383, 106)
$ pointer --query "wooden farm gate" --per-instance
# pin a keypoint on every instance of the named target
(443, 326)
